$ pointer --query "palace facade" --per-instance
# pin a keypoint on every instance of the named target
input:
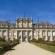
(26, 30)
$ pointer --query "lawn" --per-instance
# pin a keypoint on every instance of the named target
(49, 47)
(4, 46)
(2, 43)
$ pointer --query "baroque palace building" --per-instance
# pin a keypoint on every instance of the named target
(26, 30)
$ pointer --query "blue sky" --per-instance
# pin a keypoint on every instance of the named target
(42, 9)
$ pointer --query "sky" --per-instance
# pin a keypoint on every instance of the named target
(42, 9)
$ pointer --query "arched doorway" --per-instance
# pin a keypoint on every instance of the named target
(19, 36)
(29, 35)
(24, 36)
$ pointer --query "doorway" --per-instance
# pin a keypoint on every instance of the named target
(24, 36)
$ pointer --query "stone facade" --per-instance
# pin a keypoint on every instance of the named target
(25, 30)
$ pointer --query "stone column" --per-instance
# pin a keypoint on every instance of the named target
(31, 34)
(36, 34)
(13, 35)
(46, 38)
(6, 35)
(1, 34)
(21, 37)
(51, 37)
(16, 35)
(26, 36)
(41, 34)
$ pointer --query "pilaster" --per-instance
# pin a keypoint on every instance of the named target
(51, 37)
(46, 38)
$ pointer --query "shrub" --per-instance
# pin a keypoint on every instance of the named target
(2, 39)
(40, 40)
(33, 40)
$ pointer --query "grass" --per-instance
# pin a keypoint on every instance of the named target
(45, 45)
(4, 46)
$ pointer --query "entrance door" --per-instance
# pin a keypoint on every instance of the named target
(19, 36)
(29, 36)
(24, 36)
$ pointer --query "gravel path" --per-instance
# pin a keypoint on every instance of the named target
(28, 49)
